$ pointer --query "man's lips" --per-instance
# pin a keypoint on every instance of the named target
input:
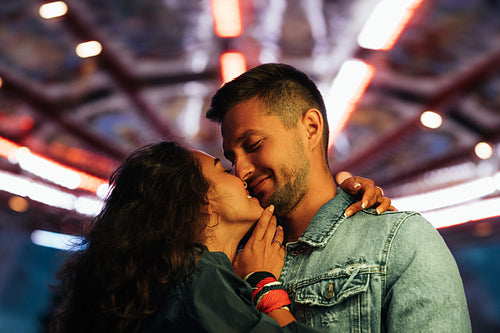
(257, 184)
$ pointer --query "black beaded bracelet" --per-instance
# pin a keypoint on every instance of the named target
(254, 278)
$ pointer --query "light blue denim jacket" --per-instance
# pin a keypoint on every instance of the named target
(370, 273)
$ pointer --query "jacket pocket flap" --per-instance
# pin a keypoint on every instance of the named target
(331, 290)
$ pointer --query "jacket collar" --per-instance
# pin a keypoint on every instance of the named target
(324, 223)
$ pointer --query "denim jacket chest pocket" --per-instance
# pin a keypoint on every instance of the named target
(338, 298)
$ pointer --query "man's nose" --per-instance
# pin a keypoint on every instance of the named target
(243, 167)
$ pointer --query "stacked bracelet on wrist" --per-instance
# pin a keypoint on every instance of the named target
(268, 293)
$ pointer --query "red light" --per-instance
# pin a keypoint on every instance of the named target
(232, 64)
(88, 182)
(7, 147)
(26, 123)
(227, 18)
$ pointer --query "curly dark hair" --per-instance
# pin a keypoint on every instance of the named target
(147, 237)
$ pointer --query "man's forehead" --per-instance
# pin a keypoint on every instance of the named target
(238, 127)
(243, 117)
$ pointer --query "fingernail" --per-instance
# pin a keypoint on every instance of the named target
(363, 205)
(348, 213)
(271, 208)
(378, 213)
(356, 185)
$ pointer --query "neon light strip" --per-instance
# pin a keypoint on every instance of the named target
(25, 187)
(232, 65)
(386, 23)
(468, 212)
(227, 18)
(439, 207)
(345, 91)
(56, 240)
(48, 169)
(448, 196)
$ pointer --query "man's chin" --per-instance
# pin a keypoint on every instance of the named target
(264, 202)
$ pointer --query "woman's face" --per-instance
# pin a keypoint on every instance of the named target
(228, 195)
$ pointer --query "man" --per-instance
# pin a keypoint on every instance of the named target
(389, 272)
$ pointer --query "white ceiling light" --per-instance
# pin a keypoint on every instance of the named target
(483, 150)
(88, 49)
(431, 119)
(53, 9)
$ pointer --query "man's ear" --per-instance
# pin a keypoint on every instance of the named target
(312, 122)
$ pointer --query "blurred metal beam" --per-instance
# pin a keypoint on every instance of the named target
(442, 100)
(76, 19)
(52, 110)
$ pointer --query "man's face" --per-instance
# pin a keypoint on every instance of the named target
(267, 155)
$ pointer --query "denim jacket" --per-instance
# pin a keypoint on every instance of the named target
(371, 273)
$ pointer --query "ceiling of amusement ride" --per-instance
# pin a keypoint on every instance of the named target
(160, 65)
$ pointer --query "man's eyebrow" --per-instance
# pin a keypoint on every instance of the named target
(239, 140)
(245, 135)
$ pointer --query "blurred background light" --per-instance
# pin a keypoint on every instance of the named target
(53, 9)
(88, 206)
(467, 212)
(51, 196)
(232, 64)
(431, 119)
(345, 91)
(449, 196)
(88, 49)
(483, 150)
(18, 204)
(386, 23)
(103, 190)
(47, 169)
(56, 240)
(227, 18)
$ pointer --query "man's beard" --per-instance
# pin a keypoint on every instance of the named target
(288, 195)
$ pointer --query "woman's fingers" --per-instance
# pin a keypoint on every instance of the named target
(262, 225)
(370, 197)
(342, 176)
(270, 231)
(263, 251)
(385, 204)
(279, 236)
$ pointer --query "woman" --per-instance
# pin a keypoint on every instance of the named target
(158, 256)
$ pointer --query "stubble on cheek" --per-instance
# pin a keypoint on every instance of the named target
(291, 183)
(287, 195)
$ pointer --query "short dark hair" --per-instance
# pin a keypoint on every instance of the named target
(282, 89)
(147, 237)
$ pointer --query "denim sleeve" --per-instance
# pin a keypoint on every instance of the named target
(424, 288)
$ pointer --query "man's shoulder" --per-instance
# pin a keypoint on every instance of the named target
(385, 226)
(370, 216)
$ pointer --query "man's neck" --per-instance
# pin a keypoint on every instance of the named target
(320, 192)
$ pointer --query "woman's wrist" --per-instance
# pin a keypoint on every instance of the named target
(268, 293)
